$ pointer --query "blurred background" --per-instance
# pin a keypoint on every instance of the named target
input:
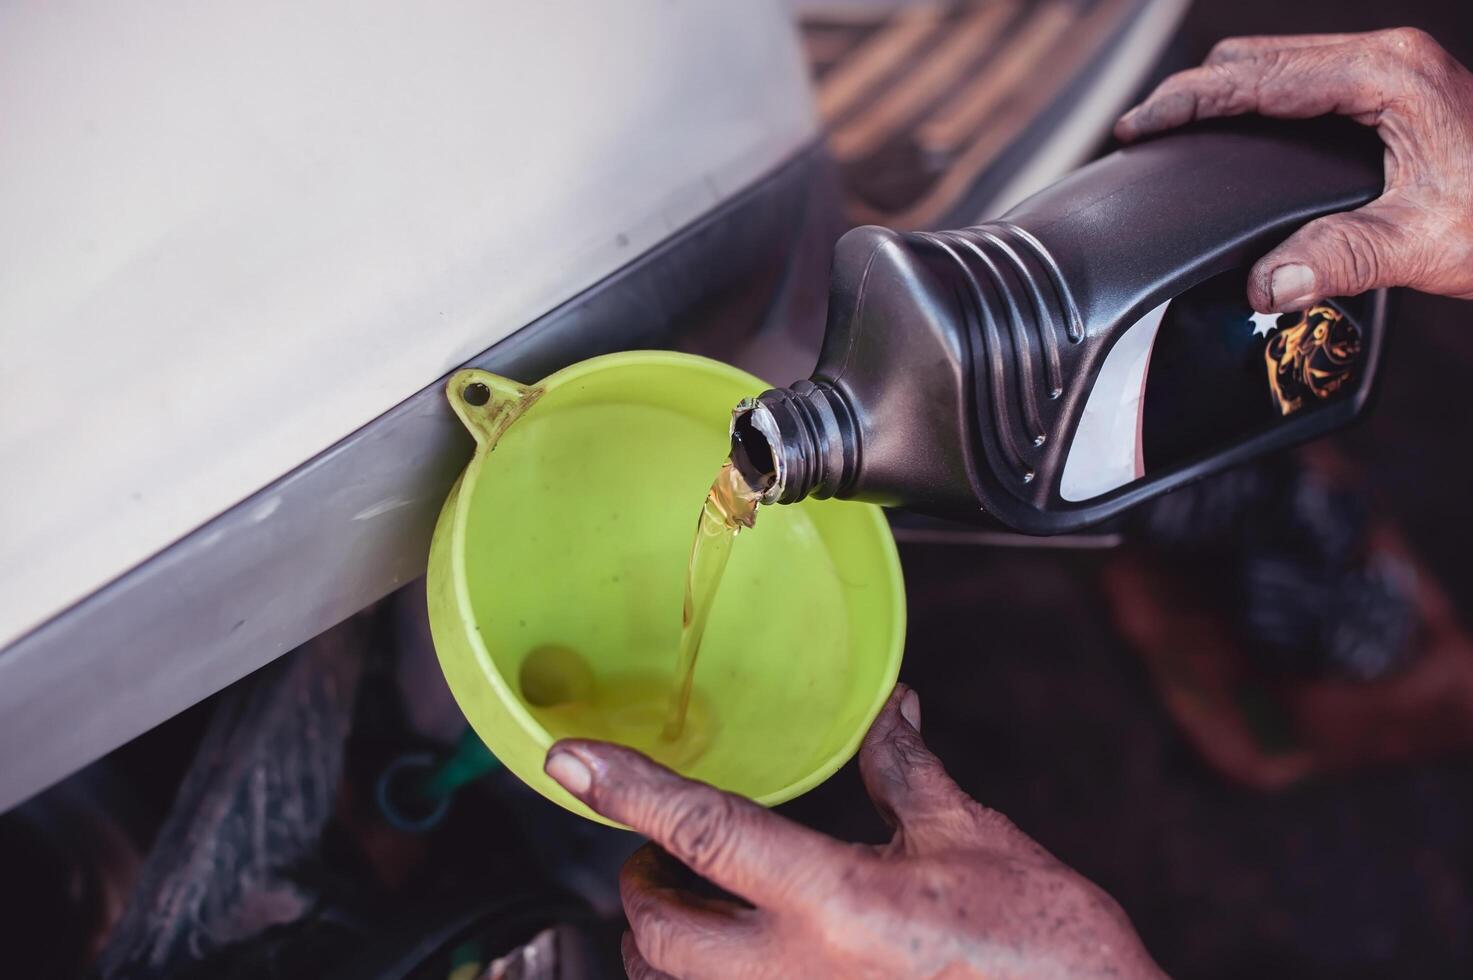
(227, 747)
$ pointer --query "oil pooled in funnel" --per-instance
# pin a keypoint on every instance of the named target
(570, 701)
(665, 719)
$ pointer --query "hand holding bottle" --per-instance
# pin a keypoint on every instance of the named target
(1419, 233)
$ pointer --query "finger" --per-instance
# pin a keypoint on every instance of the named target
(904, 779)
(680, 932)
(1339, 255)
(635, 967)
(651, 871)
(911, 789)
(1349, 78)
(750, 851)
(1238, 48)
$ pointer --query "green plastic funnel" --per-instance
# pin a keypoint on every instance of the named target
(557, 573)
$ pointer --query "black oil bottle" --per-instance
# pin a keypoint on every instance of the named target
(1087, 351)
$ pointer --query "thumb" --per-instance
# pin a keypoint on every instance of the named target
(906, 781)
(1339, 255)
(740, 846)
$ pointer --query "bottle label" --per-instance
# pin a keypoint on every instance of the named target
(1220, 373)
(1204, 372)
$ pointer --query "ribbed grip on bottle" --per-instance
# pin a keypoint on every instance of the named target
(1025, 332)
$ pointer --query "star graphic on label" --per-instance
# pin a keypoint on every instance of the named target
(1264, 323)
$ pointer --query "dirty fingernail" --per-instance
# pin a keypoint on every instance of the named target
(910, 709)
(1291, 285)
(570, 772)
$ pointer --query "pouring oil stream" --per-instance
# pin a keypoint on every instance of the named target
(730, 505)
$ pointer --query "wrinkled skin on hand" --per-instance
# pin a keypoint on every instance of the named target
(958, 892)
(1419, 233)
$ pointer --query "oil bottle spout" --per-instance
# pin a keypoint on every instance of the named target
(753, 435)
(791, 443)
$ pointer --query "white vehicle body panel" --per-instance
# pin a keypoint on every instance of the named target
(232, 234)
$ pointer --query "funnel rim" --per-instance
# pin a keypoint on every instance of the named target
(873, 516)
